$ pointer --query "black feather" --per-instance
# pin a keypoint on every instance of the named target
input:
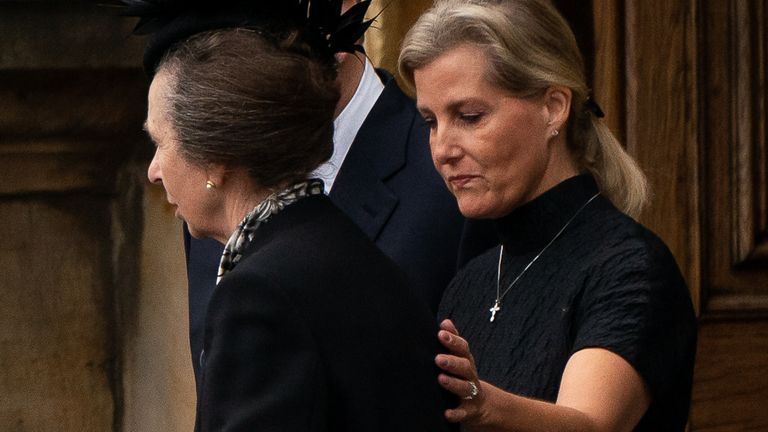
(350, 28)
(321, 22)
(321, 16)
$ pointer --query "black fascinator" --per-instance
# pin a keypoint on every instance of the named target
(320, 22)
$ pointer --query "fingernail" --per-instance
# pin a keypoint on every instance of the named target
(446, 336)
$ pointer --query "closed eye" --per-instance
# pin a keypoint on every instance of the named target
(430, 121)
(471, 118)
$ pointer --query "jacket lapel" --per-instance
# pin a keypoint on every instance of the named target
(377, 152)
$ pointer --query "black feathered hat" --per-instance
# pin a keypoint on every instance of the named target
(323, 26)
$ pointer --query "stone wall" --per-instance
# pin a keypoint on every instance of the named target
(92, 318)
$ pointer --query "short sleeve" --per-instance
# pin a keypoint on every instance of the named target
(636, 304)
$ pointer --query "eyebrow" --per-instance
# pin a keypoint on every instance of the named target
(422, 109)
(453, 106)
(145, 127)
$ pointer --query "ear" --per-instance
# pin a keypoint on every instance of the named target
(341, 57)
(557, 101)
(217, 173)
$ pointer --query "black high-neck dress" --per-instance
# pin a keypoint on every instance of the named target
(606, 282)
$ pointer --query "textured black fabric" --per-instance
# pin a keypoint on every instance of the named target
(314, 330)
(606, 282)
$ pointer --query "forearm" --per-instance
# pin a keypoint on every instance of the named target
(599, 391)
(507, 412)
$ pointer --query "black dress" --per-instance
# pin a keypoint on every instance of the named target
(606, 282)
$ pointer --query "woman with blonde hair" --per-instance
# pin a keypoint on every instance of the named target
(580, 320)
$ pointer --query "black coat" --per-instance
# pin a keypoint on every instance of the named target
(315, 330)
(388, 186)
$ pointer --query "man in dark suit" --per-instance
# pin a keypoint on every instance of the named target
(381, 175)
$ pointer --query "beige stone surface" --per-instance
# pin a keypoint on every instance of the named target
(56, 362)
(38, 165)
(158, 379)
(93, 325)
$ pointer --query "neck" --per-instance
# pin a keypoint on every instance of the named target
(529, 227)
(561, 166)
(351, 68)
(241, 197)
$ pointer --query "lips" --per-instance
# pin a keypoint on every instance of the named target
(461, 181)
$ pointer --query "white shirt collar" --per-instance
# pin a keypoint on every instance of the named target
(348, 123)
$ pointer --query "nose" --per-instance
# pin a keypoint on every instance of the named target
(444, 145)
(154, 174)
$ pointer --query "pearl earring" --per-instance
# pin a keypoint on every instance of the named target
(555, 133)
(210, 185)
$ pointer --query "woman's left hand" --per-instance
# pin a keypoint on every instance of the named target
(461, 377)
(617, 403)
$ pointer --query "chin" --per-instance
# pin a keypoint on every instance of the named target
(473, 211)
(194, 232)
(199, 234)
(473, 205)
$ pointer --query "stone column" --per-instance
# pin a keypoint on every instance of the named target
(71, 106)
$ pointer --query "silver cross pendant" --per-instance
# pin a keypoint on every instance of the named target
(494, 309)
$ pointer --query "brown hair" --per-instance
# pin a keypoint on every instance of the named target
(241, 99)
(530, 47)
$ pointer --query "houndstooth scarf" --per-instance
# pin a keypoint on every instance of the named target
(273, 204)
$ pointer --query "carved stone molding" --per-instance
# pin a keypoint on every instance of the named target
(68, 130)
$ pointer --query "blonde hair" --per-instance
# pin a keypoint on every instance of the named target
(529, 48)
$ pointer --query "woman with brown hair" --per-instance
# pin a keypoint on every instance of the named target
(580, 320)
(241, 109)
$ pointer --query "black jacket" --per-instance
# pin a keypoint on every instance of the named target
(315, 330)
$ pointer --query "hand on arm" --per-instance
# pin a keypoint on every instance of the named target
(599, 391)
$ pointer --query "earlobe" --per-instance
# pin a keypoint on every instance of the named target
(216, 175)
(341, 57)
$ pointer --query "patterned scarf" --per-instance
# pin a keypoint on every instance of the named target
(273, 204)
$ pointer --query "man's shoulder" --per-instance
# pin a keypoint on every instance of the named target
(394, 95)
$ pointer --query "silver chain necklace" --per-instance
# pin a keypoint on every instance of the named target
(500, 295)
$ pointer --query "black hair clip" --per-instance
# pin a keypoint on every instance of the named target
(591, 106)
